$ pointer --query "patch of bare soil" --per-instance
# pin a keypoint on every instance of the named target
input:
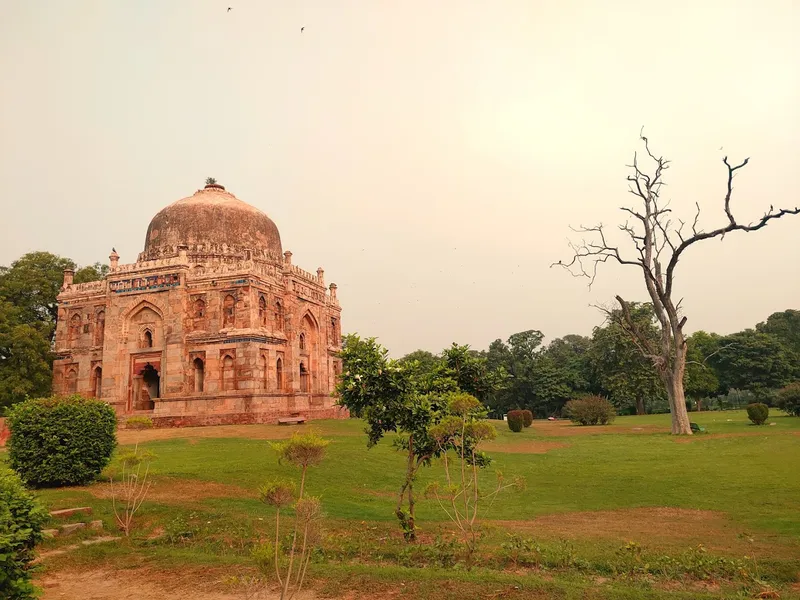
(524, 447)
(657, 527)
(178, 491)
(139, 584)
(568, 428)
(252, 432)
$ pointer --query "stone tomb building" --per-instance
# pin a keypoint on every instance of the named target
(212, 324)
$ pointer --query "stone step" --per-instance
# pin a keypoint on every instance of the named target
(68, 512)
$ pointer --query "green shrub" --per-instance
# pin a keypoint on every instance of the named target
(61, 441)
(515, 420)
(21, 521)
(139, 423)
(527, 418)
(590, 410)
(788, 399)
(757, 413)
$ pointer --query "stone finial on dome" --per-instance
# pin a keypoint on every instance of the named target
(212, 184)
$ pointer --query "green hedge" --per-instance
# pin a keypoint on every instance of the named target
(21, 521)
(758, 413)
(61, 440)
(516, 421)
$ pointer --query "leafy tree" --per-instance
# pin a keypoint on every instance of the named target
(621, 371)
(32, 283)
(25, 357)
(384, 393)
(571, 353)
(536, 381)
(758, 362)
(94, 272)
(700, 379)
(28, 312)
(471, 373)
(785, 326)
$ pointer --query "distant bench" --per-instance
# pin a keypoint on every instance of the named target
(294, 420)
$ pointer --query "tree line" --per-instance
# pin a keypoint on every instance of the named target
(523, 372)
(28, 312)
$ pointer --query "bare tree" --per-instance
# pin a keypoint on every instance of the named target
(659, 244)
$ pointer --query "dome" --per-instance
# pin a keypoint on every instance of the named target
(212, 222)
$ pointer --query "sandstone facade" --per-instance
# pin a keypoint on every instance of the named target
(212, 324)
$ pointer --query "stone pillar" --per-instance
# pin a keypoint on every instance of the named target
(113, 259)
(68, 275)
(321, 276)
(333, 289)
(287, 261)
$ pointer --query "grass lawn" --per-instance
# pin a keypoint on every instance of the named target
(590, 491)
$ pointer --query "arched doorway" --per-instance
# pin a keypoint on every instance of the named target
(151, 388)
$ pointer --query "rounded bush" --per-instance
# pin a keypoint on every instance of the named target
(515, 420)
(21, 521)
(61, 440)
(139, 423)
(591, 410)
(527, 418)
(788, 399)
(757, 413)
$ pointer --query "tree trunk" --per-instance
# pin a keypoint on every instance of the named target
(677, 403)
(640, 406)
(407, 519)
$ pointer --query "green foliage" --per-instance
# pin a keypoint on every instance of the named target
(94, 272)
(472, 374)
(516, 420)
(28, 312)
(785, 326)
(537, 380)
(140, 422)
(590, 410)
(527, 418)
(25, 357)
(758, 413)
(21, 522)
(302, 449)
(278, 493)
(788, 399)
(753, 361)
(61, 440)
(700, 380)
(622, 372)
(32, 283)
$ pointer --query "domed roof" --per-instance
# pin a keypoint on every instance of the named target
(213, 221)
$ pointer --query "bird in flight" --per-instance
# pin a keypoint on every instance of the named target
(230, 8)
(301, 29)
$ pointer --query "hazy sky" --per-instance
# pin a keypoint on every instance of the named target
(429, 154)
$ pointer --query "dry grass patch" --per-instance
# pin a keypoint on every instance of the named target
(568, 428)
(173, 490)
(657, 528)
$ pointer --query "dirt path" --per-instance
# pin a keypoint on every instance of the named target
(145, 584)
